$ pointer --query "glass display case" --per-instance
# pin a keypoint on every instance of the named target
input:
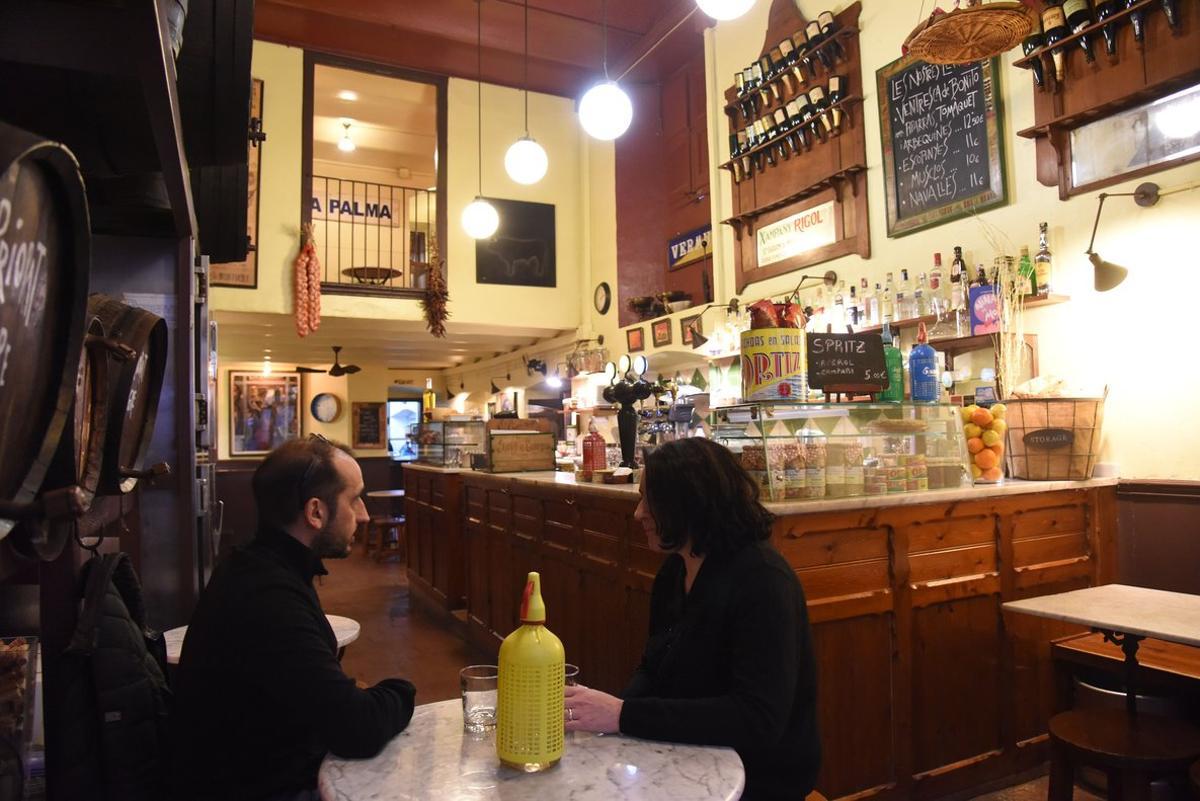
(448, 443)
(810, 450)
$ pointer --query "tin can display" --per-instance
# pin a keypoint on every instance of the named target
(774, 364)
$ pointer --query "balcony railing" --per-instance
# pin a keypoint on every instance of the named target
(373, 238)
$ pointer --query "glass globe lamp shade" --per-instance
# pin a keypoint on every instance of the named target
(725, 9)
(605, 111)
(479, 219)
(526, 161)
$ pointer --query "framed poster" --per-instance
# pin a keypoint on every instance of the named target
(635, 339)
(264, 412)
(689, 327)
(244, 274)
(660, 332)
(522, 251)
(368, 425)
(942, 146)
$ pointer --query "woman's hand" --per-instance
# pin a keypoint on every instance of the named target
(591, 710)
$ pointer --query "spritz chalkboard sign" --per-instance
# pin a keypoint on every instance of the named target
(850, 363)
(941, 141)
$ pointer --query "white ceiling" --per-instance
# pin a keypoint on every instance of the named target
(393, 122)
(245, 336)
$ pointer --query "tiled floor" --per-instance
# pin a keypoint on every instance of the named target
(396, 640)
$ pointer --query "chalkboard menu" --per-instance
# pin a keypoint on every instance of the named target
(941, 133)
(846, 362)
(369, 425)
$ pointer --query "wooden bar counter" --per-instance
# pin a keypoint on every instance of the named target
(433, 532)
(925, 688)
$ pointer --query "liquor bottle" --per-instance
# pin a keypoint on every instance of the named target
(958, 267)
(829, 27)
(821, 103)
(923, 369)
(791, 57)
(1079, 16)
(936, 292)
(904, 298)
(837, 85)
(595, 453)
(921, 296)
(428, 400)
(894, 365)
(796, 122)
(1026, 273)
(876, 316)
(529, 696)
(1138, 18)
(887, 311)
(1054, 25)
(1041, 262)
(981, 278)
(1031, 43)
(1104, 10)
(1171, 12)
(864, 303)
(838, 318)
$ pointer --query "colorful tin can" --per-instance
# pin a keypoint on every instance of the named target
(774, 364)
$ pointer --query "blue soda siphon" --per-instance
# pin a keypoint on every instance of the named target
(923, 369)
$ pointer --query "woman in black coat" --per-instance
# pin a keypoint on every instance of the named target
(729, 656)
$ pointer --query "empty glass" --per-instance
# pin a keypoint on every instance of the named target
(479, 697)
(571, 676)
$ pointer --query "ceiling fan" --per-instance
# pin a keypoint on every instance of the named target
(337, 369)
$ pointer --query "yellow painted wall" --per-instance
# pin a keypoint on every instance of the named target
(1115, 339)
(552, 123)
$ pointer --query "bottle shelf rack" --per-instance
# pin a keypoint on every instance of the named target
(1044, 53)
(733, 108)
(841, 105)
(739, 221)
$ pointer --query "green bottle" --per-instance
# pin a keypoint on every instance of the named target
(895, 369)
(1027, 272)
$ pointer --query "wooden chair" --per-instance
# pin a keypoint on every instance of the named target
(1132, 752)
(383, 532)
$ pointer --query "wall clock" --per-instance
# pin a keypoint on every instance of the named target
(602, 297)
(326, 407)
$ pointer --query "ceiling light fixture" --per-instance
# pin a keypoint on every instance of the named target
(725, 9)
(605, 111)
(349, 95)
(346, 144)
(479, 219)
(526, 160)
(1105, 274)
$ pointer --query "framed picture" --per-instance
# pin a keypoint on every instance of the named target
(264, 411)
(244, 274)
(522, 250)
(369, 425)
(689, 326)
(1141, 140)
(942, 146)
(660, 332)
(635, 339)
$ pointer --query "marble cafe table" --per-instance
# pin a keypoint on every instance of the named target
(345, 629)
(435, 759)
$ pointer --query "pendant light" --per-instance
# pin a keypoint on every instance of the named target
(725, 9)
(605, 111)
(346, 144)
(479, 218)
(526, 161)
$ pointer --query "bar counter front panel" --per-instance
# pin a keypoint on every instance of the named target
(925, 688)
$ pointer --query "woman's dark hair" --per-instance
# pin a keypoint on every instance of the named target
(697, 490)
(297, 470)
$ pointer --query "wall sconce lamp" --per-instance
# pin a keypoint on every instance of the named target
(1107, 275)
(698, 339)
(507, 377)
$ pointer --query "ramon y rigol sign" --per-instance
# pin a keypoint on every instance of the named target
(800, 233)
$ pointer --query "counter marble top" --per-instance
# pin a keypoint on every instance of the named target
(435, 759)
(974, 493)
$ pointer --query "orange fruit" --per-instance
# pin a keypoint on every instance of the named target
(987, 459)
(997, 449)
(974, 444)
(981, 418)
(993, 474)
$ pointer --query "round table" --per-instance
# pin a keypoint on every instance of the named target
(435, 759)
(344, 629)
(392, 493)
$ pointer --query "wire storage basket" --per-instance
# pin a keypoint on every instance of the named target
(1051, 439)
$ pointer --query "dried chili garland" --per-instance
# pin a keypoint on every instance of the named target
(434, 302)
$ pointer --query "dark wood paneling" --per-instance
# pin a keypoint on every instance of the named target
(438, 538)
(1160, 534)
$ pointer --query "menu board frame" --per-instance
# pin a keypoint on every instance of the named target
(356, 416)
(995, 194)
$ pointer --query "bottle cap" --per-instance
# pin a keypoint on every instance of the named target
(922, 334)
(533, 608)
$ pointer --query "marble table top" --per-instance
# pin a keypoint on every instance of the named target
(344, 629)
(435, 759)
(1171, 616)
(388, 493)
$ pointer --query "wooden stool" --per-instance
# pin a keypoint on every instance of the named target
(392, 540)
(377, 527)
(1131, 752)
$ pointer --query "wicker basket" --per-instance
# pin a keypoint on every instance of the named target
(1053, 438)
(970, 34)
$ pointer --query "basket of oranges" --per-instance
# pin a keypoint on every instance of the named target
(984, 429)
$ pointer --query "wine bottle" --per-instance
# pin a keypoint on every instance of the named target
(782, 126)
(1104, 10)
(808, 113)
(1054, 26)
(748, 93)
(736, 141)
(1171, 12)
(744, 140)
(1042, 261)
(767, 66)
(800, 42)
(1138, 18)
(1031, 43)
(796, 120)
(837, 85)
(791, 57)
(428, 399)
(760, 84)
(1079, 16)
(815, 40)
(829, 27)
(760, 135)
(739, 82)
(821, 102)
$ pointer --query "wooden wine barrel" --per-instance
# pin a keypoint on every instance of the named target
(45, 255)
(135, 384)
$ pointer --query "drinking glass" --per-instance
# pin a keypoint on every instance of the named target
(571, 675)
(479, 697)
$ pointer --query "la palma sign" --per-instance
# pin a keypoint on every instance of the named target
(362, 212)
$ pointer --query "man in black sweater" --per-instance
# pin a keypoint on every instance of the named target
(260, 695)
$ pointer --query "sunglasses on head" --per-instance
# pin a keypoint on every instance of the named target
(313, 460)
